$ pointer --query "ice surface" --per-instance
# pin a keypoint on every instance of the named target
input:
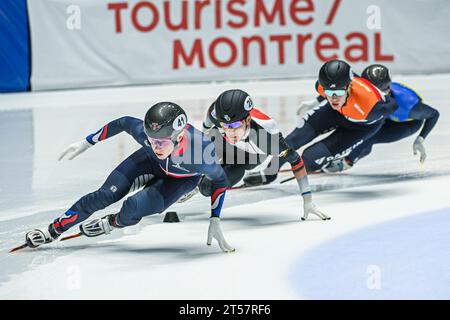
(388, 237)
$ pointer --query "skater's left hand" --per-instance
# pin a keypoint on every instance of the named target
(310, 208)
(418, 146)
(214, 231)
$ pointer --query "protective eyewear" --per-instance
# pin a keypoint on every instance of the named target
(160, 143)
(233, 125)
(338, 93)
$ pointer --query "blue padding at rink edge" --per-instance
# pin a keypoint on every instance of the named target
(14, 46)
(407, 258)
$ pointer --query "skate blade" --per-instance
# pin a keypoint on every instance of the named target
(71, 237)
(18, 248)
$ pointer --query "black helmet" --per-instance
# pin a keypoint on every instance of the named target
(379, 75)
(335, 75)
(232, 105)
(164, 120)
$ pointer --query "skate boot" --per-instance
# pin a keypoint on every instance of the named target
(97, 227)
(39, 237)
(338, 166)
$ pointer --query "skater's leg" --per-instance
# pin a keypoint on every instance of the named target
(390, 132)
(132, 172)
(153, 199)
(337, 145)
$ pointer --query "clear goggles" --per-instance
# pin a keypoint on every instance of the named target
(338, 93)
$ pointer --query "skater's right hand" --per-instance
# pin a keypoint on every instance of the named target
(75, 149)
(419, 147)
(310, 208)
(305, 106)
(214, 231)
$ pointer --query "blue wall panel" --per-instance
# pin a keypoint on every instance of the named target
(14, 46)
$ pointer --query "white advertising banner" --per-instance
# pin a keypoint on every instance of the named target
(91, 43)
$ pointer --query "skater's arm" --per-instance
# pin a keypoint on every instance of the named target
(216, 178)
(382, 109)
(216, 175)
(298, 167)
(422, 111)
(299, 171)
(130, 125)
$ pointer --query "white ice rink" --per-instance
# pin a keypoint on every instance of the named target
(389, 236)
